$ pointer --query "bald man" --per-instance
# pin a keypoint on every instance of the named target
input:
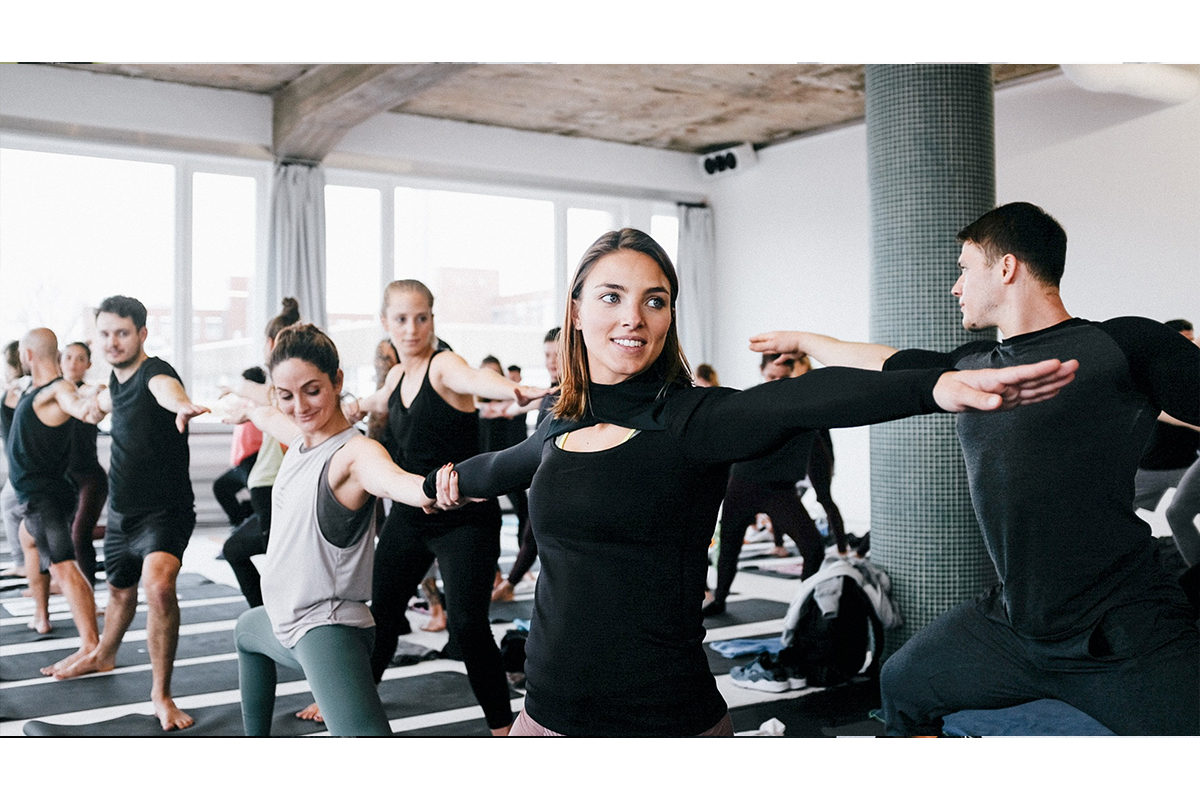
(39, 452)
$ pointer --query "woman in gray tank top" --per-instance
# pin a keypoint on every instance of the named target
(317, 579)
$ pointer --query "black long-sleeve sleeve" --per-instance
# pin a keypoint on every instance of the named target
(724, 425)
(499, 472)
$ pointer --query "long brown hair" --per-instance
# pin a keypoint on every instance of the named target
(572, 352)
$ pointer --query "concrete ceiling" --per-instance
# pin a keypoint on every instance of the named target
(693, 108)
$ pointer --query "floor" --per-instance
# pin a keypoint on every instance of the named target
(751, 709)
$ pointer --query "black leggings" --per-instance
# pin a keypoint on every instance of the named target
(528, 546)
(250, 539)
(466, 557)
(743, 500)
(92, 485)
(226, 487)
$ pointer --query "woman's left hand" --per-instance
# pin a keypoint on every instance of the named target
(448, 497)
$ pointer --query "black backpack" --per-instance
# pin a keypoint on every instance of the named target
(831, 648)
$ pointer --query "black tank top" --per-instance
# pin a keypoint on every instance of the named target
(37, 453)
(428, 434)
(149, 465)
(6, 419)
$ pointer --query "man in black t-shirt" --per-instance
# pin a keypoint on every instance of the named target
(151, 509)
(1084, 612)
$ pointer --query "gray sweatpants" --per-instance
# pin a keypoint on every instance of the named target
(1181, 514)
(335, 659)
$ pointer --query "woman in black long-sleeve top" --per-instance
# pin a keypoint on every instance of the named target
(625, 481)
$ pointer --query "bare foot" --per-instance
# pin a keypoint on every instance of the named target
(437, 620)
(54, 669)
(53, 590)
(496, 580)
(86, 665)
(40, 624)
(13, 572)
(310, 712)
(779, 552)
(503, 592)
(170, 716)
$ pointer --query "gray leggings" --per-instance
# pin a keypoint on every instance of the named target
(1181, 514)
(336, 660)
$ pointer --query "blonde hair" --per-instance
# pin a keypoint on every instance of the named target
(407, 285)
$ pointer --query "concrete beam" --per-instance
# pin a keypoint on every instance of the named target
(313, 112)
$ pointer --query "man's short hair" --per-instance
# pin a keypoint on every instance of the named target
(769, 358)
(122, 306)
(1027, 232)
(1178, 325)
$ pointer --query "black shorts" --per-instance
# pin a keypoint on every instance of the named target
(48, 520)
(129, 538)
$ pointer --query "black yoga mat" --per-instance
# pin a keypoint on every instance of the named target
(836, 711)
(65, 628)
(741, 612)
(402, 697)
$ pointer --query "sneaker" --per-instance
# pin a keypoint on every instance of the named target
(759, 677)
(754, 535)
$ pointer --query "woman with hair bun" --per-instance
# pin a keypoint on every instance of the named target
(316, 582)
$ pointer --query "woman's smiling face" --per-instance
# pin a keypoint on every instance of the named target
(624, 313)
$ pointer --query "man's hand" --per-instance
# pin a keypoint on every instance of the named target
(186, 412)
(1003, 389)
(786, 343)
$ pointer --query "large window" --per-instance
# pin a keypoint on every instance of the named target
(489, 261)
(352, 262)
(187, 235)
(76, 229)
(225, 338)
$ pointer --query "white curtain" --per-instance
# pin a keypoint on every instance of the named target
(697, 268)
(297, 250)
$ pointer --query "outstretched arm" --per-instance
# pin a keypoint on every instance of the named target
(499, 472)
(829, 351)
(371, 468)
(273, 422)
(726, 425)
(72, 401)
(451, 371)
(171, 395)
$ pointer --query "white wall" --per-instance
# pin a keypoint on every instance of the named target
(1121, 175)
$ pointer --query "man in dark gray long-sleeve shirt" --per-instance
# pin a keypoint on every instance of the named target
(1083, 613)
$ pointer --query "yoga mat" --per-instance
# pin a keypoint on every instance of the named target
(402, 697)
(508, 611)
(65, 628)
(741, 612)
(24, 666)
(815, 715)
(109, 689)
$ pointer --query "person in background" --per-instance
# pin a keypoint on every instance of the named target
(84, 470)
(706, 376)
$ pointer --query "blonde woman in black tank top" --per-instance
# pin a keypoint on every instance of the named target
(430, 401)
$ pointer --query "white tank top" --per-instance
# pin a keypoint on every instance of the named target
(309, 581)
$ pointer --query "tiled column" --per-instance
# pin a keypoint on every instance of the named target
(931, 166)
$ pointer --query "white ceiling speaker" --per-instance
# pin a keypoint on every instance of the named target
(730, 161)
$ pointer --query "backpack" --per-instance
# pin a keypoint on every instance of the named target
(833, 632)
